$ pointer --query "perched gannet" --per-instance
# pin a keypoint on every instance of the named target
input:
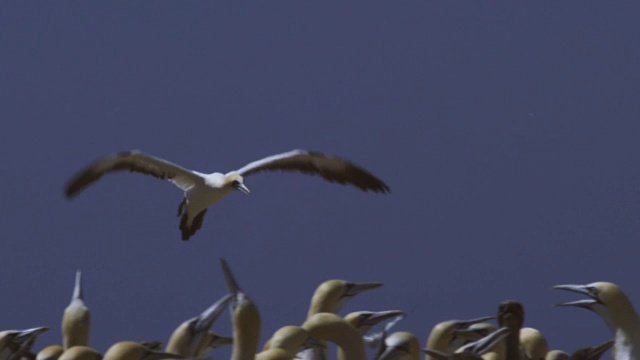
(557, 355)
(51, 352)
(465, 335)
(130, 350)
(474, 333)
(246, 319)
(331, 295)
(192, 337)
(274, 354)
(76, 320)
(612, 305)
(203, 190)
(473, 350)
(592, 352)
(80, 353)
(288, 338)
(511, 316)
(533, 344)
(330, 327)
(363, 321)
(400, 345)
(15, 343)
(444, 332)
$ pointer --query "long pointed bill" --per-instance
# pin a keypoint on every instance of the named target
(244, 189)
(24, 335)
(381, 316)
(232, 284)
(467, 323)
(488, 342)
(597, 351)
(580, 289)
(209, 316)
(586, 303)
(356, 288)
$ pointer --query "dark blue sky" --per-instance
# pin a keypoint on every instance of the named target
(508, 133)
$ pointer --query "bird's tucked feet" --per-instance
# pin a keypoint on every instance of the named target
(181, 206)
(189, 230)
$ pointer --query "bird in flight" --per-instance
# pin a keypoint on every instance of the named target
(203, 190)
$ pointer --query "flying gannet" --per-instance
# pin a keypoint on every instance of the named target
(612, 305)
(203, 190)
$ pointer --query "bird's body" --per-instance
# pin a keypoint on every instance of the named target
(329, 297)
(533, 344)
(330, 327)
(192, 337)
(136, 351)
(51, 352)
(80, 353)
(203, 190)
(511, 316)
(76, 320)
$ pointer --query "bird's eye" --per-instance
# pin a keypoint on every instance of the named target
(235, 183)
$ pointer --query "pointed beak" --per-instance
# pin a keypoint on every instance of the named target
(467, 323)
(24, 335)
(488, 342)
(244, 189)
(381, 316)
(357, 288)
(580, 289)
(597, 351)
(209, 316)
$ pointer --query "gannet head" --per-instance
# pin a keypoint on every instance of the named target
(367, 319)
(236, 182)
(511, 314)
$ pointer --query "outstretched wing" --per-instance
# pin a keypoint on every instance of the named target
(134, 161)
(331, 168)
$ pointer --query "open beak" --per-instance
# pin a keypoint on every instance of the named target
(580, 289)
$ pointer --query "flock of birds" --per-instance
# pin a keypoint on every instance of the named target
(473, 339)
